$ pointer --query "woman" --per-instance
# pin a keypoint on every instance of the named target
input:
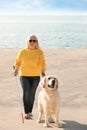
(30, 63)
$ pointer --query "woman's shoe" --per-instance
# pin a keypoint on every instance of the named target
(29, 116)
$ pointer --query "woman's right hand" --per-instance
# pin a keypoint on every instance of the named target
(15, 72)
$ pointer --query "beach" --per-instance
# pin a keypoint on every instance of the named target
(70, 67)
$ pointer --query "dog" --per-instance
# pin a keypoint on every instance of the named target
(48, 100)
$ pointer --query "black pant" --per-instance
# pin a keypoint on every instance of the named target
(29, 85)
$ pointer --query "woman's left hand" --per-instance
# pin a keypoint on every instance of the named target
(43, 73)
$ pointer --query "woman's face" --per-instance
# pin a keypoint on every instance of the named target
(32, 43)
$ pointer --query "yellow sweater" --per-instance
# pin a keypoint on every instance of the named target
(30, 62)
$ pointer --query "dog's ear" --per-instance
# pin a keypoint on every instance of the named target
(43, 82)
(57, 83)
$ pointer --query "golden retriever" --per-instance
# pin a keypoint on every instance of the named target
(48, 100)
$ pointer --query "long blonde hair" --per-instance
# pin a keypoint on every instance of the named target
(35, 39)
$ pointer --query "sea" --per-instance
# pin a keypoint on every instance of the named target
(52, 31)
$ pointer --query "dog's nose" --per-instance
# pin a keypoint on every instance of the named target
(53, 82)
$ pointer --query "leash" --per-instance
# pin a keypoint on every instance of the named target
(20, 100)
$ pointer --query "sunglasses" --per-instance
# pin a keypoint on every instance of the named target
(32, 41)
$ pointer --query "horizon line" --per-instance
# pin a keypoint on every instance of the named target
(45, 13)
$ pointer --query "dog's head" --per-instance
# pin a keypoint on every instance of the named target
(49, 82)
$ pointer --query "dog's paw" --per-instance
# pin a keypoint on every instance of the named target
(58, 125)
(46, 125)
(51, 120)
(38, 121)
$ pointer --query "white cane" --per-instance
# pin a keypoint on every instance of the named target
(21, 102)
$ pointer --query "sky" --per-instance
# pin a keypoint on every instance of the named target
(43, 6)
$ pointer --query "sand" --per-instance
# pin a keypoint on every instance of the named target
(70, 67)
